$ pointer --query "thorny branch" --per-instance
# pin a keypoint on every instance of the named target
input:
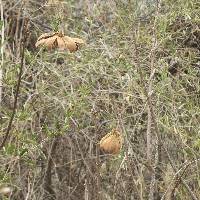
(151, 121)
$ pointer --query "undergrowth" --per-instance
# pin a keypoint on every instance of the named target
(139, 71)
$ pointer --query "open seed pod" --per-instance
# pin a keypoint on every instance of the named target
(60, 41)
(48, 40)
(111, 143)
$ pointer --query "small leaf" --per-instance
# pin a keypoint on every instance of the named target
(23, 151)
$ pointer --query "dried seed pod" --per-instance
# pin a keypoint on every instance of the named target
(58, 40)
(111, 143)
(73, 44)
(48, 40)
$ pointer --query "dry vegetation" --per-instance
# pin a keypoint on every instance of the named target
(139, 72)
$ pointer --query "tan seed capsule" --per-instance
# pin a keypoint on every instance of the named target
(111, 143)
(60, 41)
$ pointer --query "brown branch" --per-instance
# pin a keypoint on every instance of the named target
(151, 121)
(23, 45)
(47, 181)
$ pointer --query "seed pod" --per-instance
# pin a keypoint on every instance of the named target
(60, 41)
(111, 143)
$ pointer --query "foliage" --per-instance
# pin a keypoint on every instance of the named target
(139, 70)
